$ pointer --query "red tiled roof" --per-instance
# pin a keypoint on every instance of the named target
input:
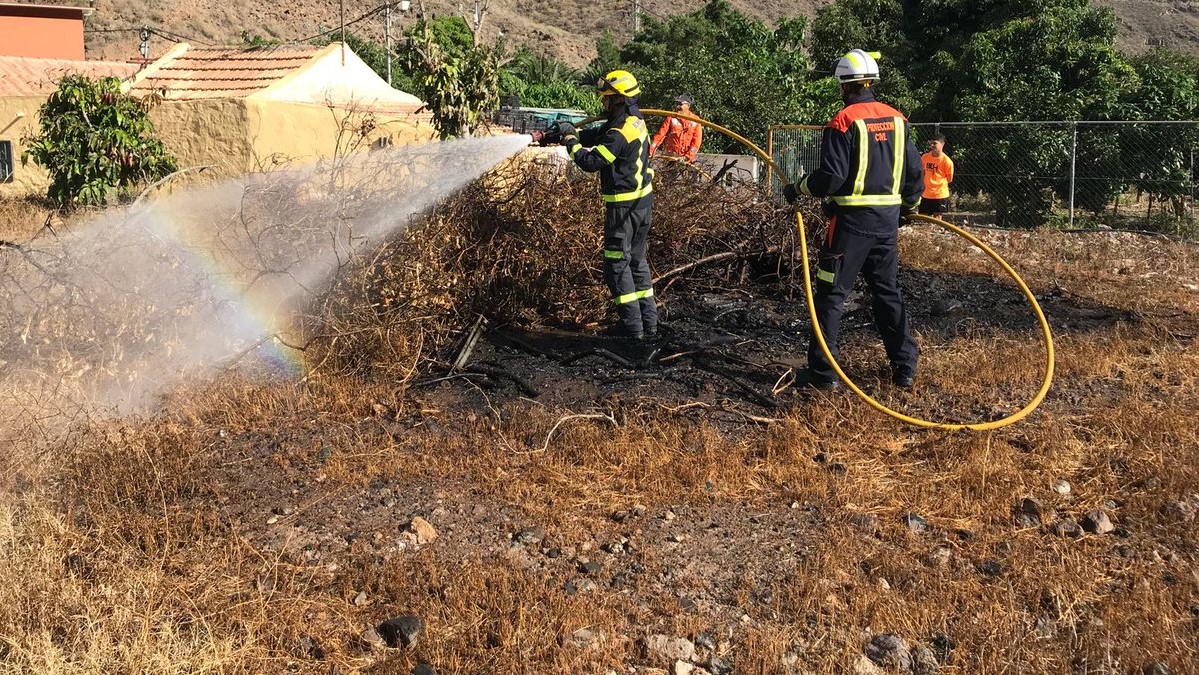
(21, 76)
(224, 73)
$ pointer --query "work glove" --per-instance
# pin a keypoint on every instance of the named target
(828, 208)
(790, 193)
(569, 134)
(906, 213)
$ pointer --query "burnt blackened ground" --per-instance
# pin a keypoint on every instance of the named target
(740, 353)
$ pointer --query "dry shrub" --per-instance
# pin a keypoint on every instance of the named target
(523, 245)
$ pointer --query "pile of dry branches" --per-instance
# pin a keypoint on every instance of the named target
(523, 245)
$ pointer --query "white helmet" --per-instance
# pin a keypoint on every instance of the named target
(857, 66)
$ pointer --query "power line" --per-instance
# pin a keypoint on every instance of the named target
(160, 32)
(364, 17)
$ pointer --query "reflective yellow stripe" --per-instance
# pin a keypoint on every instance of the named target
(629, 196)
(643, 137)
(868, 200)
(859, 181)
(898, 148)
(574, 149)
(626, 298)
(824, 275)
(605, 153)
(803, 186)
(613, 255)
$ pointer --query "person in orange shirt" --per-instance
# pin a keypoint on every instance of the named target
(678, 136)
(938, 174)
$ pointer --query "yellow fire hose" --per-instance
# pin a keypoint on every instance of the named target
(1046, 333)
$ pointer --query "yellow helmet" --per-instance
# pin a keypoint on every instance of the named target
(618, 82)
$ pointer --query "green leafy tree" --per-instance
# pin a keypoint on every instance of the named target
(874, 26)
(95, 140)
(1161, 155)
(457, 79)
(1060, 64)
(544, 82)
(741, 73)
(607, 58)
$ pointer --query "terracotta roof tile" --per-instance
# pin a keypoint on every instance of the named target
(20, 76)
(221, 73)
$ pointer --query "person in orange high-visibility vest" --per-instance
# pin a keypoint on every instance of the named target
(938, 174)
(678, 136)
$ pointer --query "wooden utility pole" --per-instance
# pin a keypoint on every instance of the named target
(387, 32)
(343, 32)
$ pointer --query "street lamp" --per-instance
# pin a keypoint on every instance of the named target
(405, 5)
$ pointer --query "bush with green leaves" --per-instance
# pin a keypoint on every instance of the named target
(457, 78)
(542, 81)
(741, 74)
(96, 142)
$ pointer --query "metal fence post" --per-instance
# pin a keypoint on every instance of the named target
(1073, 158)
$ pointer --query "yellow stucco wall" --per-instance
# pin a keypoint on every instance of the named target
(232, 136)
(208, 132)
(284, 133)
(30, 179)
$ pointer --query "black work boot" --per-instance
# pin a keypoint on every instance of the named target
(808, 381)
(619, 330)
(905, 381)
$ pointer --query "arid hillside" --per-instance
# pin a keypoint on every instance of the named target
(566, 29)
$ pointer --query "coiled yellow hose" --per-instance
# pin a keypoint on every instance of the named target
(1047, 334)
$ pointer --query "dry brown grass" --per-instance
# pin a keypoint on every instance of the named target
(124, 548)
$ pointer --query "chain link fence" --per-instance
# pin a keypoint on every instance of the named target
(1122, 175)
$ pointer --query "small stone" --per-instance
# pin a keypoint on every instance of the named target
(272, 520)
(939, 557)
(553, 553)
(706, 641)
(1097, 522)
(924, 661)
(1151, 483)
(864, 666)
(533, 535)
(372, 638)
(590, 567)
(942, 646)
(681, 667)
(883, 584)
(888, 649)
(1180, 510)
(1156, 668)
(666, 648)
(423, 669)
(668, 516)
(1066, 527)
(401, 631)
(583, 639)
(360, 599)
(1061, 487)
(990, 568)
(1028, 512)
(588, 586)
(720, 666)
(915, 522)
(1044, 627)
(423, 529)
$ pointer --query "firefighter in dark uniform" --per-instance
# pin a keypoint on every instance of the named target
(619, 151)
(871, 177)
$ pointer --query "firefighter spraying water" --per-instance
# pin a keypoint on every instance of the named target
(871, 179)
